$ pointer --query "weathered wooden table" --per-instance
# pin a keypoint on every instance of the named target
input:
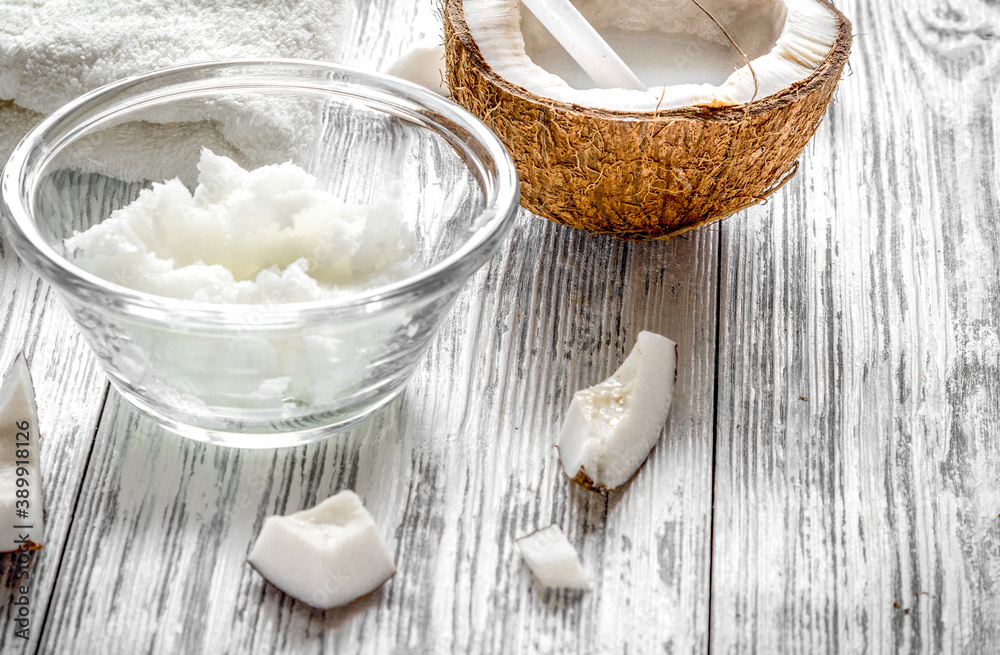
(829, 480)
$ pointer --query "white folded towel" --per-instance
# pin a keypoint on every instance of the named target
(51, 51)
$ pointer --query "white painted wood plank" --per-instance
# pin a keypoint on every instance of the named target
(453, 473)
(829, 511)
(858, 484)
(69, 393)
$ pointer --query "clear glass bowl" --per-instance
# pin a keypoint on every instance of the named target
(278, 374)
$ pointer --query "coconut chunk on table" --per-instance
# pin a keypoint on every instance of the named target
(552, 559)
(325, 556)
(610, 428)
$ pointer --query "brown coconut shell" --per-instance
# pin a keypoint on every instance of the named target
(642, 175)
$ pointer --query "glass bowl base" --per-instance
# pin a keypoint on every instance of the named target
(275, 434)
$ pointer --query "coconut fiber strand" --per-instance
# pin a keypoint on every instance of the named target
(642, 175)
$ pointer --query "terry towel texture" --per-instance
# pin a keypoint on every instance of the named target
(51, 51)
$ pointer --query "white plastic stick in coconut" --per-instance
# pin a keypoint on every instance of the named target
(584, 44)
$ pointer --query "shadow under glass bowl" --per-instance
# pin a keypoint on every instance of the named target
(278, 374)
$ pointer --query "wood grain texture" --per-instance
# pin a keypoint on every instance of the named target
(453, 473)
(858, 484)
(69, 393)
(850, 435)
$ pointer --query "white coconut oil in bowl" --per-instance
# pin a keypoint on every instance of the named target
(212, 311)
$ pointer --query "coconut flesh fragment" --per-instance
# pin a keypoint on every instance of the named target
(21, 517)
(680, 53)
(424, 65)
(552, 559)
(326, 556)
(611, 427)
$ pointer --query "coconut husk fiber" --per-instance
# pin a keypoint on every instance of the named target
(642, 175)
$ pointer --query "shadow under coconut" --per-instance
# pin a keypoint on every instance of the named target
(590, 295)
(593, 294)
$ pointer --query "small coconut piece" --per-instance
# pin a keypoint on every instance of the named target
(326, 556)
(611, 427)
(736, 88)
(552, 559)
(423, 65)
(21, 516)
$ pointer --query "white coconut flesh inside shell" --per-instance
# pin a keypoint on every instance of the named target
(326, 556)
(611, 427)
(672, 45)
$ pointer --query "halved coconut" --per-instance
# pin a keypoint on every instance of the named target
(736, 90)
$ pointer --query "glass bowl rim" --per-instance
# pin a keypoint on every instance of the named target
(497, 215)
